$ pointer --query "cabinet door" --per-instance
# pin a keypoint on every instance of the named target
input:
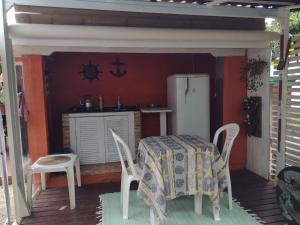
(121, 125)
(90, 140)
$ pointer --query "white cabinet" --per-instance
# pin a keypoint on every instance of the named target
(91, 139)
(121, 126)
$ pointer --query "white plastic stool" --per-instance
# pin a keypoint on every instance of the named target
(55, 163)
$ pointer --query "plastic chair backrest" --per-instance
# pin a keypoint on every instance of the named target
(121, 144)
(232, 130)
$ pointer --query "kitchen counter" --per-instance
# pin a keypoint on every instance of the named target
(155, 110)
(105, 110)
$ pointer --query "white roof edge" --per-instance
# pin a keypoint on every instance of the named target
(48, 50)
(151, 7)
(77, 32)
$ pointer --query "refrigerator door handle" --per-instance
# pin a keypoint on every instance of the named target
(187, 88)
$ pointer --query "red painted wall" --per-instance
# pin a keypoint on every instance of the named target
(233, 94)
(144, 83)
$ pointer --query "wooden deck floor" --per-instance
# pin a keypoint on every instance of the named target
(51, 206)
(258, 195)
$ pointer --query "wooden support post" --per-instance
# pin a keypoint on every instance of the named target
(12, 116)
(284, 22)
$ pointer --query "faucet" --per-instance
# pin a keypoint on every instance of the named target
(119, 103)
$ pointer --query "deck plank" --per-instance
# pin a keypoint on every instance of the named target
(52, 206)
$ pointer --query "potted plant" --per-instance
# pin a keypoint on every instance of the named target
(252, 73)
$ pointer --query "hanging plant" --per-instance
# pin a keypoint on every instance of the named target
(252, 73)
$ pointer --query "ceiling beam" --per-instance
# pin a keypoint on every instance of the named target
(70, 32)
(46, 50)
(151, 7)
(30, 38)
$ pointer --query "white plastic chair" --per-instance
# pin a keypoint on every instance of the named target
(72, 160)
(232, 131)
(129, 174)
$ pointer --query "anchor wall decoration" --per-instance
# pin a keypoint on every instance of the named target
(118, 64)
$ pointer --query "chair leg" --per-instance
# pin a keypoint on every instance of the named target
(198, 204)
(71, 186)
(122, 187)
(43, 181)
(216, 210)
(216, 213)
(29, 188)
(229, 188)
(153, 219)
(78, 175)
(125, 203)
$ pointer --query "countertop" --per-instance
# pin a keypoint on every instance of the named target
(109, 110)
(155, 110)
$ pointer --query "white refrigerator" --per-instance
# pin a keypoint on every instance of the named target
(188, 97)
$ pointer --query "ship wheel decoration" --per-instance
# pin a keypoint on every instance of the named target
(90, 71)
(118, 72)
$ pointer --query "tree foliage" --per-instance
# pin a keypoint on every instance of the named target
(294, 25)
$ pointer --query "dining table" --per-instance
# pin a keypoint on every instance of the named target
(179, 165)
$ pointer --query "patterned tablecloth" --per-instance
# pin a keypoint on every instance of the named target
(173, 166)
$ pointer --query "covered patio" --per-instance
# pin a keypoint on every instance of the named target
(135, 47)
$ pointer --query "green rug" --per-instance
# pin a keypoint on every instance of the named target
(180, 212)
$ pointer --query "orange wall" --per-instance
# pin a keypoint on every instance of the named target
(34, 90)
(234, 91)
